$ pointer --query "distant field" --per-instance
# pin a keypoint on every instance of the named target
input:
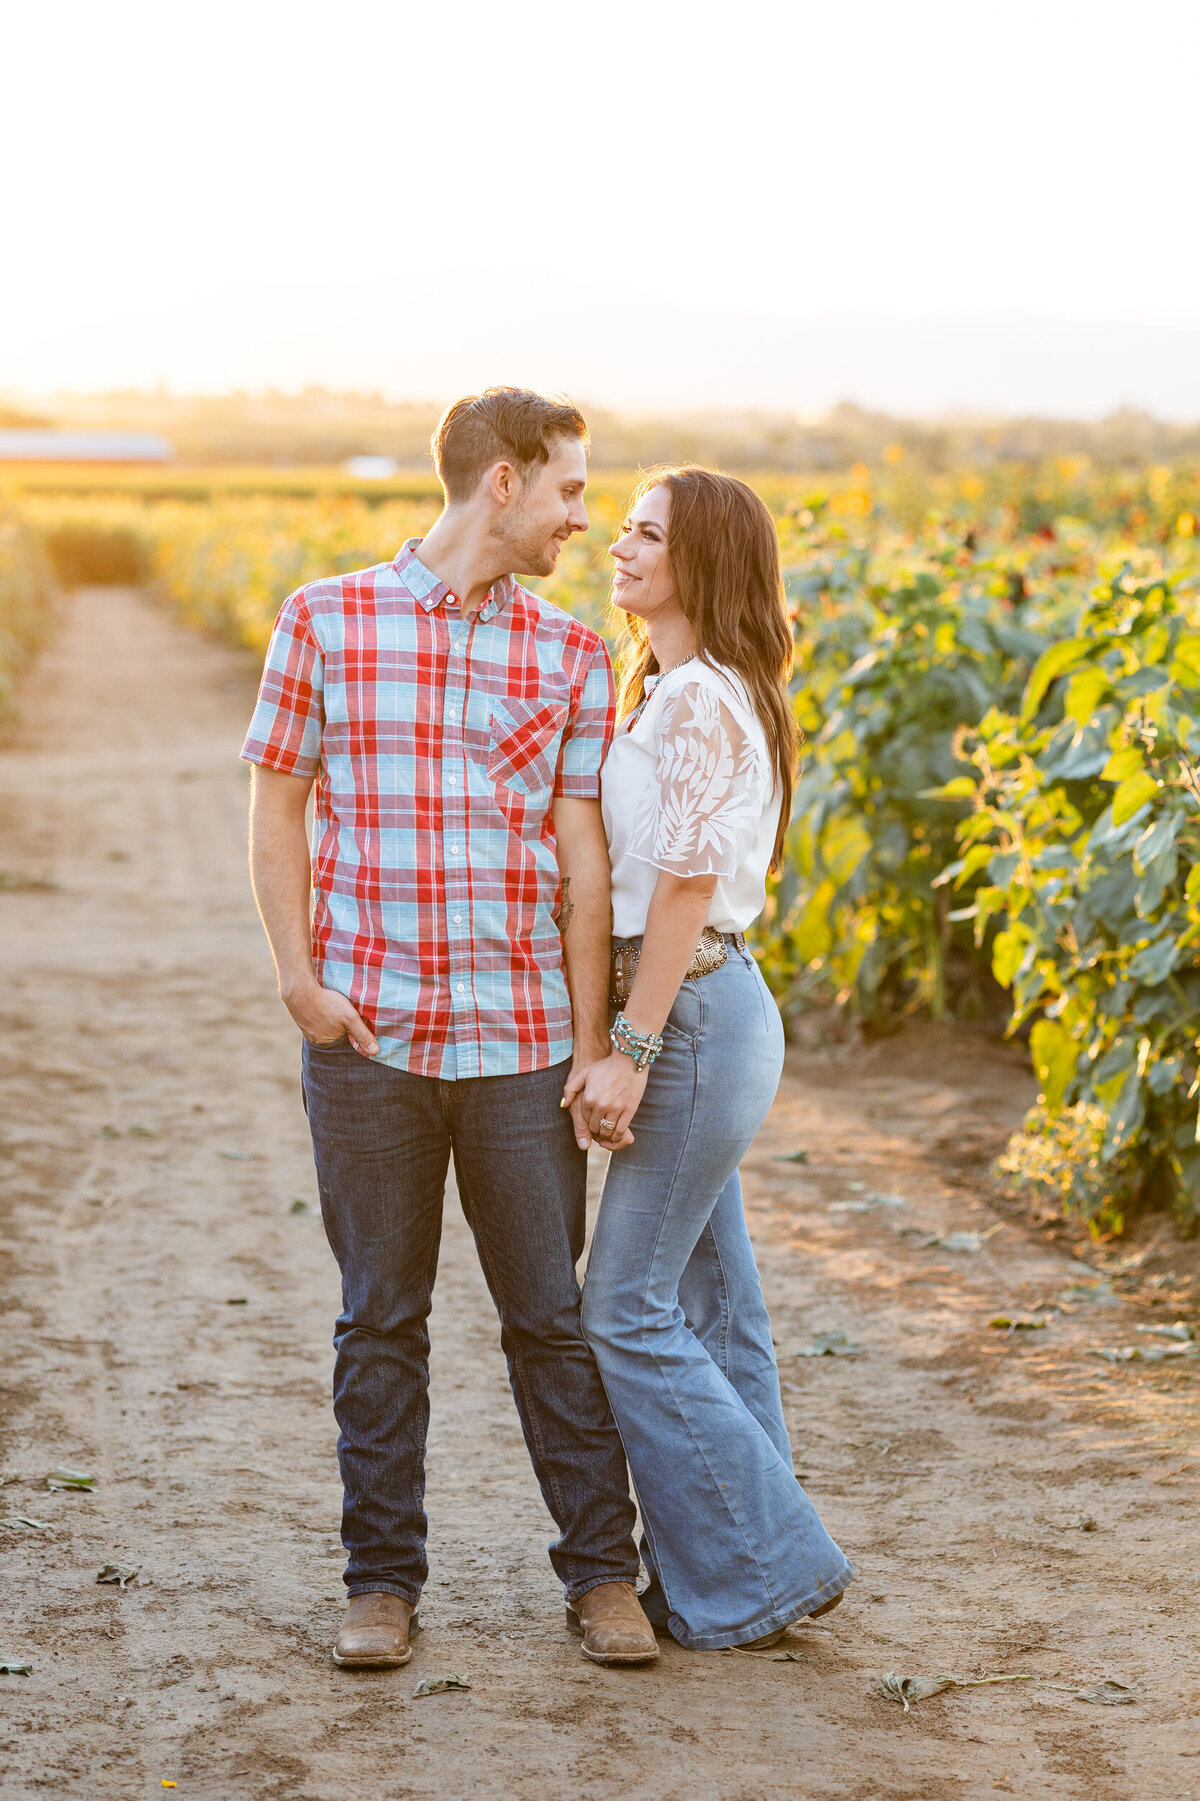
(209, 483)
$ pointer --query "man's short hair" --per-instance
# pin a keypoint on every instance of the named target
(501, 425)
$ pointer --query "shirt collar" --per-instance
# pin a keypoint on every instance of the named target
(429, 592)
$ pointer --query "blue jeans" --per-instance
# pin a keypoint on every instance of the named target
(673, 1309)
(382, 1140)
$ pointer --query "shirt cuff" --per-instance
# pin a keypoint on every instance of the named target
(577, 787)
(266, 756)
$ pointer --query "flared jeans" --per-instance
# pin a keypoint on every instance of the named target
(674, 1313)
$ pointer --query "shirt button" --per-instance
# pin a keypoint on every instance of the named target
(458, 919)
(461, 989)
(453, 779)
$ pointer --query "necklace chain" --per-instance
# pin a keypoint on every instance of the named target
(655, 679)
(674, 666)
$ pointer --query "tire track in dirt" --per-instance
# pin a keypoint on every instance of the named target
(167, 1321)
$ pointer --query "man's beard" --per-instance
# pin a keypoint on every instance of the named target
(526, 554)
(539, 562)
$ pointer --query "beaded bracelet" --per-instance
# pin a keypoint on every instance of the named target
(643, 1047)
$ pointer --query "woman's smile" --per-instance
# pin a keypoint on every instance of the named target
(640, 556)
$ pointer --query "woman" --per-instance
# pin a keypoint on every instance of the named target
(697, 795)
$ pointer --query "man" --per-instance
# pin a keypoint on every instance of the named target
(454, 725)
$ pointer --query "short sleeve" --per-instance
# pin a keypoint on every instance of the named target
(700, 812)
(285, 732)
(588, 731)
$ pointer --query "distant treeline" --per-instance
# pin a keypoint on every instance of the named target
(316, 426)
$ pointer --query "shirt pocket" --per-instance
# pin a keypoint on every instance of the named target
(525, 742)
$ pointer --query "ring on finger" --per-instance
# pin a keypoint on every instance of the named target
(607, 1125)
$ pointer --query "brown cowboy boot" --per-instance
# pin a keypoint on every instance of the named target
(612, 1625)
(374, 1634)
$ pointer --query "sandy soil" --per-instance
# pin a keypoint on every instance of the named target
(167, 1311)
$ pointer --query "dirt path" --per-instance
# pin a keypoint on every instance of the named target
(167, 1313)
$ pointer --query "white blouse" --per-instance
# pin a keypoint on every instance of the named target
(689, 788)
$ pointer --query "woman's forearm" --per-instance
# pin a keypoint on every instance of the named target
(677, 916)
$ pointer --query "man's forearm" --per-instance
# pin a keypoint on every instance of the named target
(585, 921)
(281, 874)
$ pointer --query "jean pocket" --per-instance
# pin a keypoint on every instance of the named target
(525, 740)
(686, 1018)
(334, 1044)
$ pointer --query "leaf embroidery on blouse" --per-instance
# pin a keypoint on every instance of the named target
(700, 813)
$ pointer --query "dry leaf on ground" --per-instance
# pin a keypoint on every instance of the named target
(968, 1241)
(64, 1478)
(1143, 1353)
(120, 1573)
(438, 1685)
(919, 1688)
(907, 1689)
(1109, 1693)
(831, 1344)
(1098, 1294)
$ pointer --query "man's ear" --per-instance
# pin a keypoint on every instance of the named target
(504, 484)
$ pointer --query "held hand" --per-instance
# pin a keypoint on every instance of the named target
(324, 1016)
(611, 1096)
(572, 1098)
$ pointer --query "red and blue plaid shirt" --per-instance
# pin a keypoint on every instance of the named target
(438, 746)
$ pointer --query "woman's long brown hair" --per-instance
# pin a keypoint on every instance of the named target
(724, 558)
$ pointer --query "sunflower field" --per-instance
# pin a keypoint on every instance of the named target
(28, 596)
(998, 816)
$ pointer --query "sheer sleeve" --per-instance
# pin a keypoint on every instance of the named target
(699, 814)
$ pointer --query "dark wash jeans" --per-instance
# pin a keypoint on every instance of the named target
(382, 1140)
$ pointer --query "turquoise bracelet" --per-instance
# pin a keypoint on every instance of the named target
(643, 1047)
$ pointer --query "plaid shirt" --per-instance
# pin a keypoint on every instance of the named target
(438, 746)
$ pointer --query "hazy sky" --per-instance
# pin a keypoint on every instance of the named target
(209, 194)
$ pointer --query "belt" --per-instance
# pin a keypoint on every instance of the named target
(711, 954)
